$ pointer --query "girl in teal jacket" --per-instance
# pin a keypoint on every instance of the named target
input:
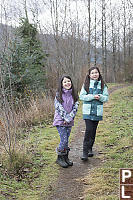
(94, 93)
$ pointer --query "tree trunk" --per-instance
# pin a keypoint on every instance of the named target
(89, 35)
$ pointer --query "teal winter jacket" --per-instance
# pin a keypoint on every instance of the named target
(92, 108)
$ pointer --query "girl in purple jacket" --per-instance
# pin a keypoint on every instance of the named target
(66, 105)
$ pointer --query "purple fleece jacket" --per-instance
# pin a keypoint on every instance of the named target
(63, 110)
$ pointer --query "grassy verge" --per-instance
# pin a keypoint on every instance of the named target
(41, 171)
(36, 183)
(115, 142)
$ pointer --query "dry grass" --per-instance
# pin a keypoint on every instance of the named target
(40, 110)
(13, 157)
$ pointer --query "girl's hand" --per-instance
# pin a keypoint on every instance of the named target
(65, 123)
(97, 97)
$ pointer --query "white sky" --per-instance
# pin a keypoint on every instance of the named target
(15, 9)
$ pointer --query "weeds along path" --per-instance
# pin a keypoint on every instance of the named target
(69, 185)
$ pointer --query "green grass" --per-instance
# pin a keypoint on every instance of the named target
(36, 184)
(115, 141)
(40, 145)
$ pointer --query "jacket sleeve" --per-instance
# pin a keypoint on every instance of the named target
(105, 96)
(68, 117)
(84, 96)
(72, 114)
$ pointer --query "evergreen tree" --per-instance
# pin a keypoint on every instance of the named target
(27, 61)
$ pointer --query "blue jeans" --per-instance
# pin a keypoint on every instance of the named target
(64, 133)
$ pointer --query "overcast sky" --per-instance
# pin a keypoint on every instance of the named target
(14, 9)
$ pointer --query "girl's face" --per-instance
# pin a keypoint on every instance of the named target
(94, 74)
(66, 83)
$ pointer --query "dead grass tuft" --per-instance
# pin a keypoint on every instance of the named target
(40, 109)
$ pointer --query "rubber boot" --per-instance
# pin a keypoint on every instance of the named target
(61, 161)
(70, 163)
(61, 158)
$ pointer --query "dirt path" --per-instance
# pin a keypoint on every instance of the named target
(68, 186)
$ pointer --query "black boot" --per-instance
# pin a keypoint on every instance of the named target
(61, 158)
(85, 153)
(70, 163)
(90, 153)
(84, 156)
(61, 161)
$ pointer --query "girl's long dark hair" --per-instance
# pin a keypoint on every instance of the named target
(60, 91)
(87, 79)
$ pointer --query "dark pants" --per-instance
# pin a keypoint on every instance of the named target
(90, 134)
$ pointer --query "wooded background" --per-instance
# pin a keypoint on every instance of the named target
(73, 36)
(42, 40)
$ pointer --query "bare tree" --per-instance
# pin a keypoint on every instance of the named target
(89, 33)
(113, 44)
(7, 117)
(118, 43)
(104, 67)
(95, 46)
(124, 34)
